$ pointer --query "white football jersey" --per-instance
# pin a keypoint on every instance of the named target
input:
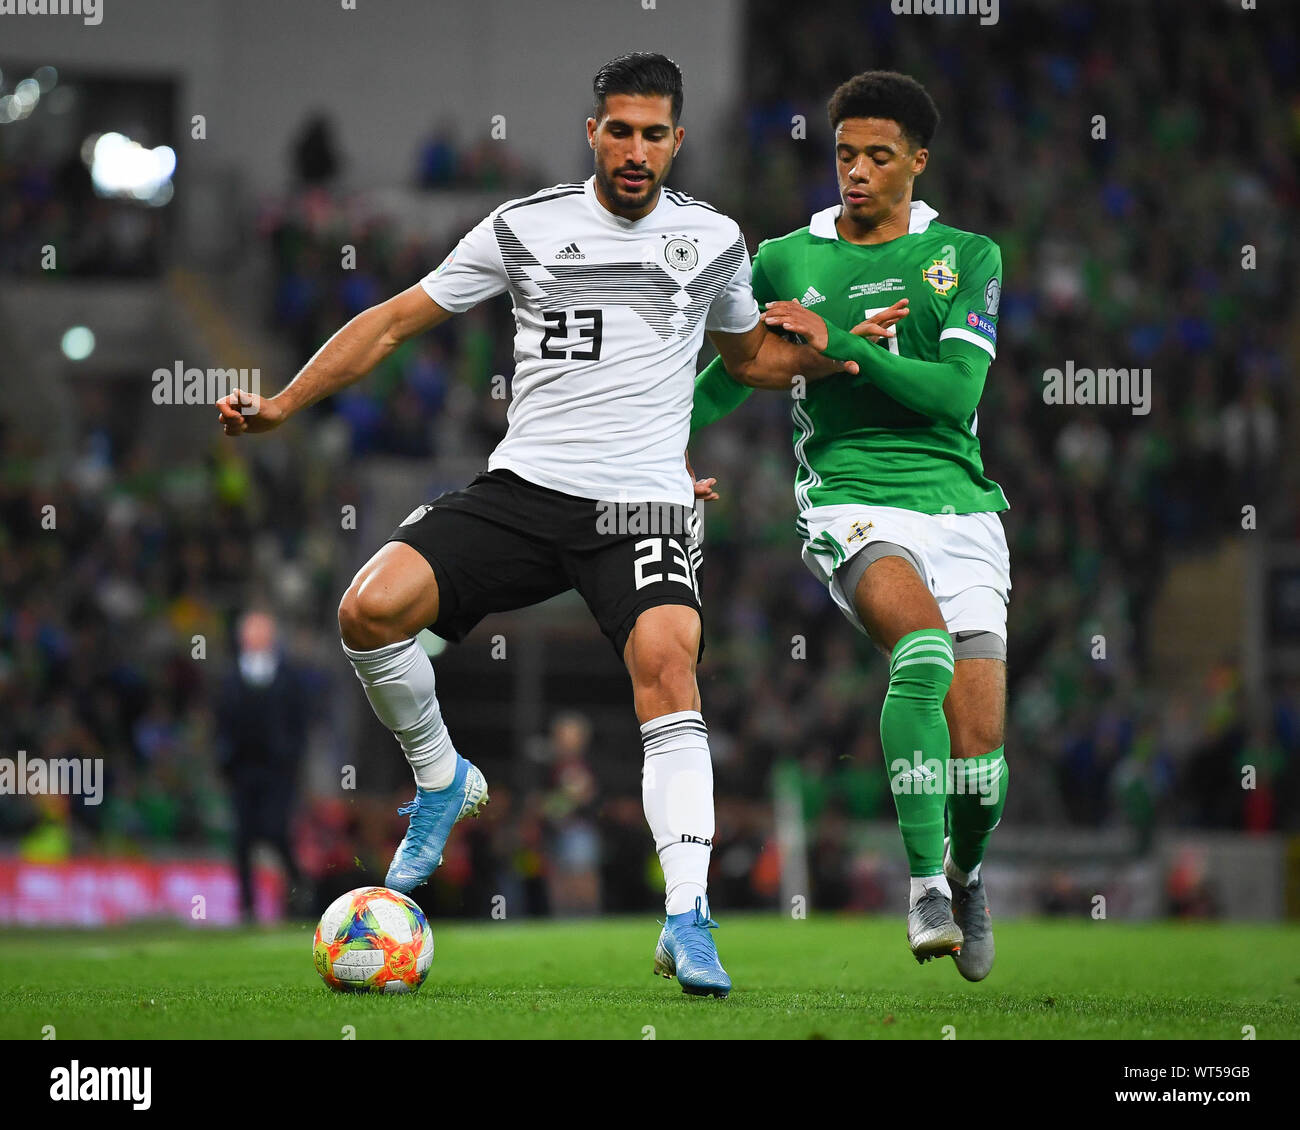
(610, 315)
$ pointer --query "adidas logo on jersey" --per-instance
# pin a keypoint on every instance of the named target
(811, 297)
(570, 252)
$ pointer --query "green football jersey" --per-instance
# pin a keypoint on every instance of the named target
(854, 442)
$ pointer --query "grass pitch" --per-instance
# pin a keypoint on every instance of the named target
(827, 977)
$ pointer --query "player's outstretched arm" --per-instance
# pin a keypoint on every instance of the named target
(347, 357)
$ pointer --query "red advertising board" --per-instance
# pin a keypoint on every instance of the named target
(105, 892)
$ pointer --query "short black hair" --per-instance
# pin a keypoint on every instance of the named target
(887, 94)
(640, 72)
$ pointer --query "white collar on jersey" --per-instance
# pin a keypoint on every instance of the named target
(620, 222)
(822, 223)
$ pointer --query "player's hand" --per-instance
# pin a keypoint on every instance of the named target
(242, 412)
(703, 487)
(704, 490)
(795, 317)
(881, 324)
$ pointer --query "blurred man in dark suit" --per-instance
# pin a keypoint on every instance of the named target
(261, 720)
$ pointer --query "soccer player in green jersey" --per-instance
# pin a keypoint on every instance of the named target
(897, 516)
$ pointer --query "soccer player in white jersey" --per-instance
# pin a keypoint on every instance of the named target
(614, 283)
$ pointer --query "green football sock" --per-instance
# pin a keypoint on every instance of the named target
(979, 793)
(914, 736)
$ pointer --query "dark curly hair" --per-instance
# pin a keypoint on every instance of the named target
(887, 94)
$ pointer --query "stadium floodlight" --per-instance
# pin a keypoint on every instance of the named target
(78, 343)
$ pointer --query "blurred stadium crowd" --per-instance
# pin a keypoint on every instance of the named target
(1105, 263)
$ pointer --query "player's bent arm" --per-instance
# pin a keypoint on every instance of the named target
(359, 346)
(947, 390)
(760, 358)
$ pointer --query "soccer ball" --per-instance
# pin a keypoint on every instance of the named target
(373, 940)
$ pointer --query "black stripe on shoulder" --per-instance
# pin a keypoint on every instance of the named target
(542, 197)
(684, 201)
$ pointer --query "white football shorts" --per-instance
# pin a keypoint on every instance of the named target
(963, 558)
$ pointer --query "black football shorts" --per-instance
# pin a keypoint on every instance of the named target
(504, 543)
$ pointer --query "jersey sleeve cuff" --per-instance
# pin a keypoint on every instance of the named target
(963, 334)
(743, 327)
(448, 302)
(843, 345)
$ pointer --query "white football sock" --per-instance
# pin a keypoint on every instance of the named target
(677, 794)
(923, 884)
(399, 684)
(957, 875)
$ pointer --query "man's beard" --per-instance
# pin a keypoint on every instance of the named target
(618, 193)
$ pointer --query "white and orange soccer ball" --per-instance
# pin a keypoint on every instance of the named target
(373, 940)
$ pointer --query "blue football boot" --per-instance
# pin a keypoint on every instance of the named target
(686, 948)
(433, 813)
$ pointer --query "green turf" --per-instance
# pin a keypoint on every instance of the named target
(824, 977)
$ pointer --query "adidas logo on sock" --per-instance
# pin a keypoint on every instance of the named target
(811, 297)
(570, 252)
